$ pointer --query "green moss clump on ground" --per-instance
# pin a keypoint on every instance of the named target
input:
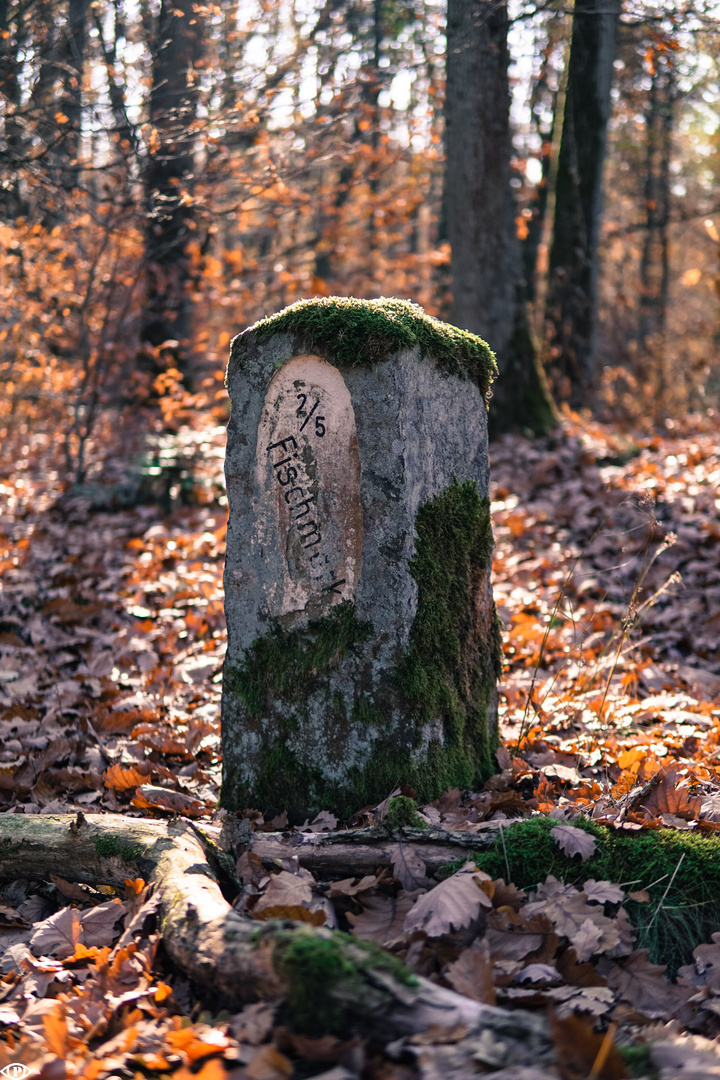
(290, 663)
(452, 663)
(352, 331)
(690, 912)
(403, 811)
(325, 976)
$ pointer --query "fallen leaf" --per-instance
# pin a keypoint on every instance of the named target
(574, 841)
(451, 905)
(643, 986)
(472, 975)
(58, 935)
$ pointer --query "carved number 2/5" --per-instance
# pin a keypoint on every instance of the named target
(319, 426)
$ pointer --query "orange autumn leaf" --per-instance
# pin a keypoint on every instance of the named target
(123, 779)
(56, 1032)
(163, 992)
(187, 1041)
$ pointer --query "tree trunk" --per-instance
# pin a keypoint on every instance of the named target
(73, 56)
(571, 308)
(241, 959)
(488, 288)
(11, 204)
(654, 264)
(169, 183)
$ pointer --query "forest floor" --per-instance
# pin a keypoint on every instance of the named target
(607, 579)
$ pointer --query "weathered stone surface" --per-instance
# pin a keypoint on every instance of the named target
(362, 639)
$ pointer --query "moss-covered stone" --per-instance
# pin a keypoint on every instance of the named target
(689, 913)
(349, 331)
(443, 686)
(455, 654)
(325, 973)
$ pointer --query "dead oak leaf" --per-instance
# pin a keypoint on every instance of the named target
(382, 917)
(644, 986)
(408, 867)
(603, 892)
(574, 918)
(98, 923)
(705, 969)
(662, 795)
(452, 905)
(572, 841)
(58, 935)
(472, 975)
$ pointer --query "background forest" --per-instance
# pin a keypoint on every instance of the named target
(173, 172)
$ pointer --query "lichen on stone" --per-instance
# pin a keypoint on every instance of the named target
(349, 331)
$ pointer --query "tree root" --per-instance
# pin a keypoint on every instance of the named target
(331, 981)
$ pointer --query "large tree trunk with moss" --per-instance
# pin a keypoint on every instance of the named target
(489, 295)
(571, 304)
(363, 645)
(332, 982)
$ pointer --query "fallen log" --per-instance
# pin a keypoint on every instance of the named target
(355, 852)
(329, 978)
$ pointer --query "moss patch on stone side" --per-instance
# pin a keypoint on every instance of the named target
(351, 331)
(688, 915)
(452, 663)
(289, 664)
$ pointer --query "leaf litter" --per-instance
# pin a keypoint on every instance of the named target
(111, 643)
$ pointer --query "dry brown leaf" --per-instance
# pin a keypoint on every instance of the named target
(284, 890)
(574, 842)
(472, 975)
(452, 905)
(643, 986)
(382, 917)
(58, 935)
(408, 867)
(603, 892)
(98, 923)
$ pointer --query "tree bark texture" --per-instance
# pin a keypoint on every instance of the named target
(169, 179)
(73, 67)
(238, 958)
(571, 307)
(489, 296)
(654, 263)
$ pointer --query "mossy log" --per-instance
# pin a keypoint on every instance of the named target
(327, 977)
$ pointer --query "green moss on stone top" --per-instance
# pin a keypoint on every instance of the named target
(351, 331)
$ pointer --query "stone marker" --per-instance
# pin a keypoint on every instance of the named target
(363, 645)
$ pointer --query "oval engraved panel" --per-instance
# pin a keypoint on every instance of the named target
(308, 471)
